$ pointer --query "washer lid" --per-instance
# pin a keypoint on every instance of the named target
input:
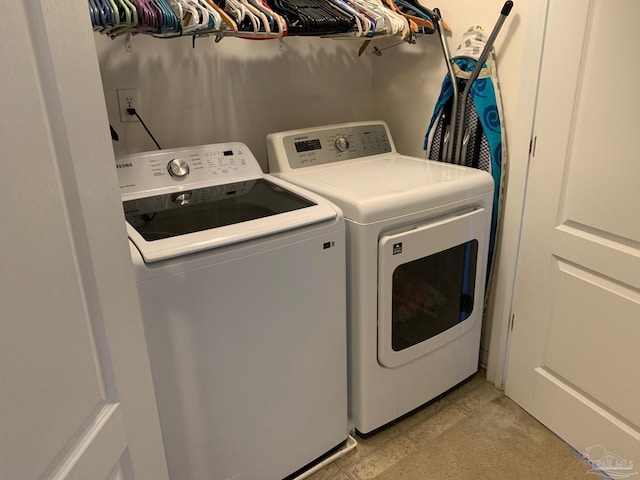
(185, 221)
(375, 189)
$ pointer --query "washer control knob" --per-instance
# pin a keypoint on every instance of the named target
(182, 199)
(341, 143)
(178, 168)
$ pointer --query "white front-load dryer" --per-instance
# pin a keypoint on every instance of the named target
(417, 236)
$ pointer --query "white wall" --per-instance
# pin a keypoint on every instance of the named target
(236, 90)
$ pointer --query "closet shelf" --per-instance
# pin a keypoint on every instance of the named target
(264, 19)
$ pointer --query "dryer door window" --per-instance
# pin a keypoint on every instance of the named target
(432, 294)
(431, 286)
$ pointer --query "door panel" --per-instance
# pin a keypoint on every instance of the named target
(573, 349)
(98, 448)
(591, 312)
(76, 389)
(605, 133)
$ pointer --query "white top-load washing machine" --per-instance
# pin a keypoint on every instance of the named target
(241, 279)
(417, 234)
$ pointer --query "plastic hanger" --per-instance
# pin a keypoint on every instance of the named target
(157, 15)
(192, 18)
(143, 14)
(235, 10)
(203, 16)
(361, 27)
(260, 22)
(169, 20)
(104, 13)
(393, 24)
(413, 25)
(215, 20)
(225, 18)
(93, 12)
(368, 23)
(273, 29)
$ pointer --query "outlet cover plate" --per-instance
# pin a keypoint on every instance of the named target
(127, 98)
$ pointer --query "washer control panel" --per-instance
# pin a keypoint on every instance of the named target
(214, 164)
(322, 145)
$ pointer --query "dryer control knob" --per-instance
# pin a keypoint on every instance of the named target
(178, 168)
(341, 143)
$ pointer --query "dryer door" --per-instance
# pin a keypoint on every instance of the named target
(430, 285)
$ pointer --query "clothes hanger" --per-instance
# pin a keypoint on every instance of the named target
(280, 22)
(184, 13)
(384, 24)
(263, 27)
(365, 23)
(362, 25)
(235, 9)
(143, 15)
(415, 22)
(338, 21)
(158, 15)
(394, 24)
(227, 21)
(215, 20)
(93, 12)
(125, 15)
(203, 18)
(342, 20)
(116, 23)
(274, 23)
(178, 17)
(422, 19)
(430, 14)
(250, 22)
(413, 25)
(176, 7)
(169, 20)
(194, 18)
(135, 18)
(173, 13)
(105, 14)
(245, 18)
(130, 21)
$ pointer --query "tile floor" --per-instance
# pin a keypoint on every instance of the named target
(381, 451)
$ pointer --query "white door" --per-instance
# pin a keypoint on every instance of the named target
(77, 400)
(574, 355)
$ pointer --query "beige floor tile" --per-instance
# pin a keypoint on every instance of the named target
(436, 424)
(330, 472)
(498, 441)
(381, 459)
(424, 413)
(369, 444)
(478, 397)
(469, 385)
(340, 476)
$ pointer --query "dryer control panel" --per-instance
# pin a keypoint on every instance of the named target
(215, 164)
(328, 144)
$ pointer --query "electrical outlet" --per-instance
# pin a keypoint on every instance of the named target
(127, 98)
